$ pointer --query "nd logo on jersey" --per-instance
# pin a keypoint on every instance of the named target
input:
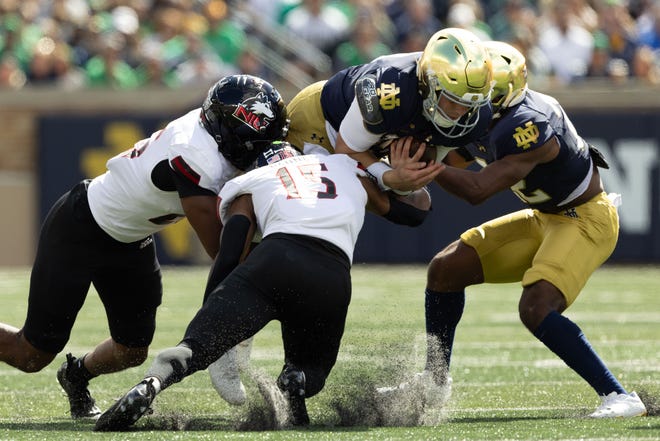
(524, 137)
(388, 96)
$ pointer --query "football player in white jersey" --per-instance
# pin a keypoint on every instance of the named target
(101, 232)
(309, 210)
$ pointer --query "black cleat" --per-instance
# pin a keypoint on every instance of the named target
(81, 403)
(292, 383)
(128, 409)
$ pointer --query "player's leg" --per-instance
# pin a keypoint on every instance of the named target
(232, 313)
(449, 272)
(496, 251)
(225, 378)
(313, 319)
(58, 286)
(307, 126)
(16, 351)
(574, 247)
(127, 278)
(225, 372)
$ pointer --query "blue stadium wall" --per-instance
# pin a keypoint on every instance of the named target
(629, 139)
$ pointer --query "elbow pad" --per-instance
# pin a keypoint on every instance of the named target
(234, 236)
(405, 214)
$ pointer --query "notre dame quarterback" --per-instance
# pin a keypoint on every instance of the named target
(439, 96)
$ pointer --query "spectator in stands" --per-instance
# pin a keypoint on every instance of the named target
(364, 44)
(225, 36)
(415, 16)
(646, 66)
(468, 14)
(202, 64)
(319, 22)
(249, 63)
(513, 14)
(107, 69)
(649, 33)
(583, 14)
(567, 44)
(600, 59)
(11, 74)
(40, 70)
(616, 23)
(162, 26)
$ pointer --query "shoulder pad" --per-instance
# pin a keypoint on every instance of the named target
(367, 98)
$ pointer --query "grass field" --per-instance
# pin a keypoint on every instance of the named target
(507, 385)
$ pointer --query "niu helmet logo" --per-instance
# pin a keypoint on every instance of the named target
(255, 112)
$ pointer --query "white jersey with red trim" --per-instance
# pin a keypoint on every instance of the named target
(136, 196)
(313, 195)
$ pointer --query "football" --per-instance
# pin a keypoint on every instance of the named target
(429, 153)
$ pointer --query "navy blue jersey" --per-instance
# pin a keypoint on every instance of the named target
(528, 126)
(398, 111)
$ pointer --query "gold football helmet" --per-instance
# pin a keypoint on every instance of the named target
(455, 65)
(509, 73)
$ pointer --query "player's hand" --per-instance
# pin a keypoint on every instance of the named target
(408, 172)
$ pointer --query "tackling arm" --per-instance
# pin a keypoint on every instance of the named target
(409, 210)
(406, 175)
(201, 212)
(235, 241)
(476, 187)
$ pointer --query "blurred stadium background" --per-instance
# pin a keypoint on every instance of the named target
(81, 80)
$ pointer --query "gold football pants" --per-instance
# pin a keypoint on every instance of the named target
(307, 123)
(563, 249)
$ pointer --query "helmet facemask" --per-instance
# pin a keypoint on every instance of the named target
(452, 128)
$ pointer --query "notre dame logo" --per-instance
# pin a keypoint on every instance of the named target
(388, 96)
(524, 137)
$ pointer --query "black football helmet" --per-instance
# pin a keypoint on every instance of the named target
(244, 114)
(275, 152)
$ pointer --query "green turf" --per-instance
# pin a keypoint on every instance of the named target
(507, 386)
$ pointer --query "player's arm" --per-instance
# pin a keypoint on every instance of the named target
(409, 210)
(201, 212)
(235, 240)
(477, 186)
(354, 139)
(200, 206)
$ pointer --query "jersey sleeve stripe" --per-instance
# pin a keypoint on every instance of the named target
(181, 167)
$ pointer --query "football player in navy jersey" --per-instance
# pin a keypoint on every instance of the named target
(570, 228)
(309, 210)
(101, 232)
(439, 96)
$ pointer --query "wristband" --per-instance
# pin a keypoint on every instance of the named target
(377, 170)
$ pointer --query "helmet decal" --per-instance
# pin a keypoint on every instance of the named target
(277, 151)
(256, 112)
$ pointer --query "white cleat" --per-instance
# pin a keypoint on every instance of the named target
(620, 406)
(423, 386)
(226, 378)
